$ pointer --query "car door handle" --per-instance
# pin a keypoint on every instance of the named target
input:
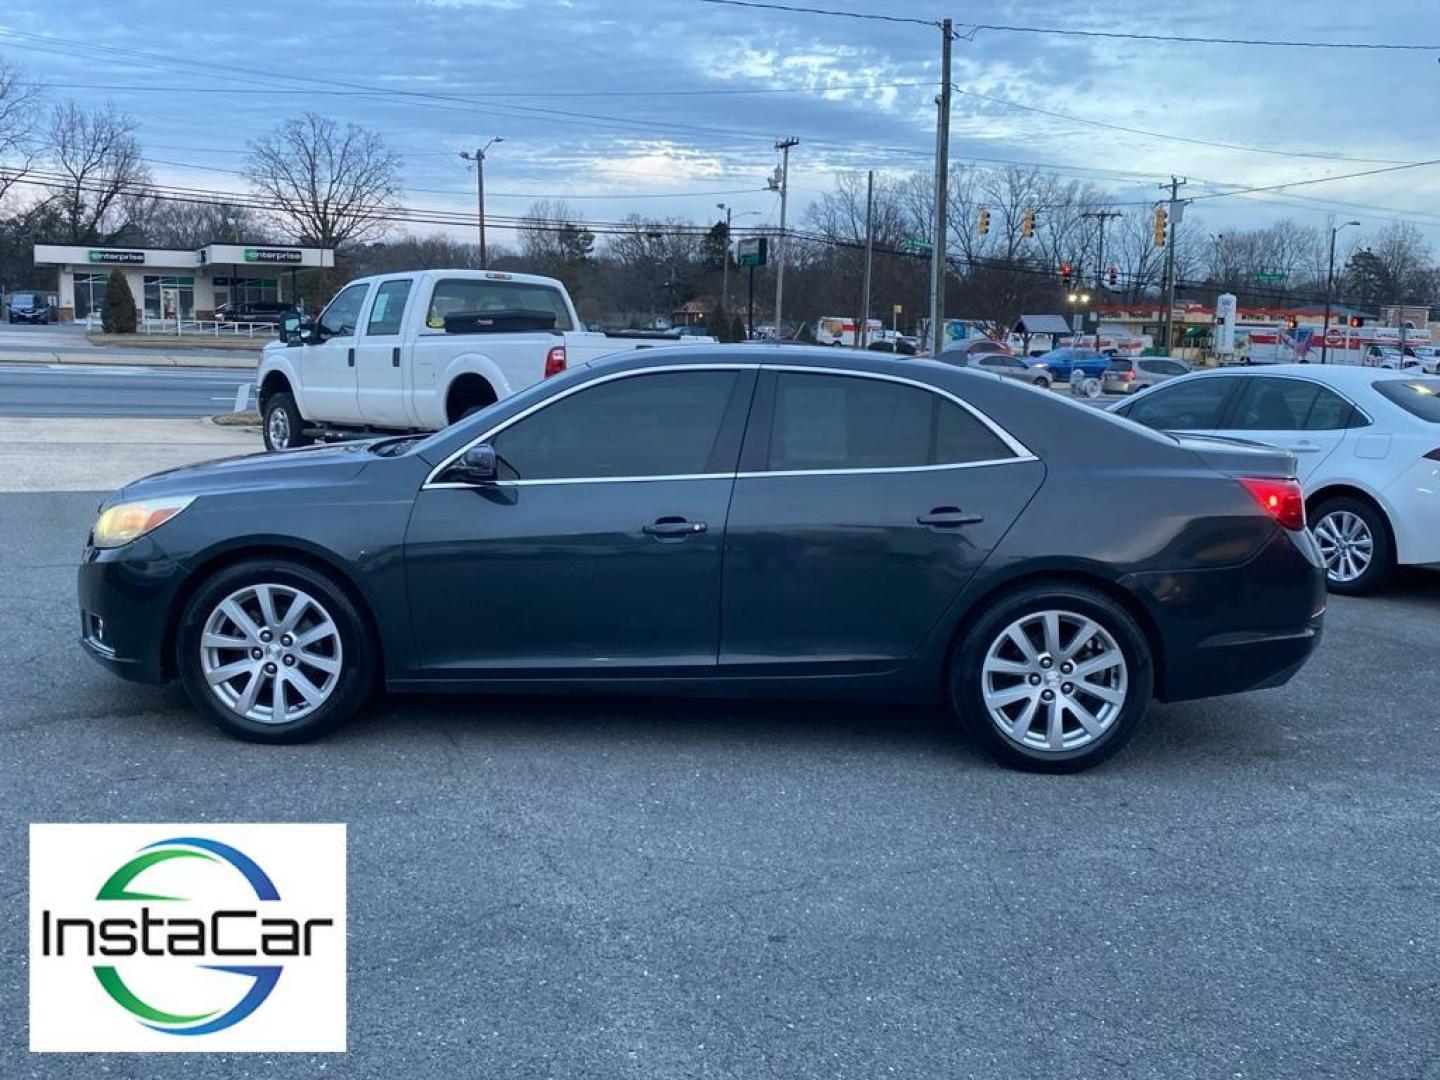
(948, 517)
(350, 357)
(1304, 448)
(395, 356)
(673, 528)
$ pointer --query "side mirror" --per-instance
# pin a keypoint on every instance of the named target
(289, 327)
(478, 465)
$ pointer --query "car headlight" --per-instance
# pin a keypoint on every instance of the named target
(125, 522)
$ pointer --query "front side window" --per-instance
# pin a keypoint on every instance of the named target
(343, 313)
(1188, 406)
(843, 422)
(389, 306)
(467, 296)
(665, 424)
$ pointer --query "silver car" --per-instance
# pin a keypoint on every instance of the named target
(1012, 367)
(1126, 374)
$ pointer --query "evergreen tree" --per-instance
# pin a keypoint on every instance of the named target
(119, 315)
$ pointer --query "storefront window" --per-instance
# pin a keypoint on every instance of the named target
(89, 295)
(241, 290)
(165, 293)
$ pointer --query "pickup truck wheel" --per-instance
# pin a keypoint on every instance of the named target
(283, 425)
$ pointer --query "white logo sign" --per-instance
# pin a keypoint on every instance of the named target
(187, 938)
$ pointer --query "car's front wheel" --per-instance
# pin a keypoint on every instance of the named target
(274, 651)
(1355, 542)
(283, 426)
(1053, 677)
(1042, 381)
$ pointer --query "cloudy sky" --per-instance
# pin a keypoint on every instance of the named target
(667, 107)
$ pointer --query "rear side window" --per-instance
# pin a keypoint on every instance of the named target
(1268, 404)
(1117, 364)
(1419, 397)
(664, 424)
(389, 306)
(1331, 412)
(465, 296)
(835, 422)
(1186, 406)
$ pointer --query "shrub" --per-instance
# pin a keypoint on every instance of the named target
(119, 315)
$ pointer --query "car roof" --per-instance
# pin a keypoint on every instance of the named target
(1342, 376)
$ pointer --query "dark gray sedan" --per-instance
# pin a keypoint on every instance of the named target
(740, 521)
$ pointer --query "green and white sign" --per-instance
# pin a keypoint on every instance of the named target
(97, 255)
(752, 251)
(1272, 277)
(272, 255)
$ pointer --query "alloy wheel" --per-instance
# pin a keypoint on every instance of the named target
(271, 653)
(1346, 545)
(1054, 681)
(278, 427)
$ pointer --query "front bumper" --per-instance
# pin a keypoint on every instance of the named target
(1249, 627)
(126, 595)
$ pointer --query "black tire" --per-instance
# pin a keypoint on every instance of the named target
(293, 426)
(967, 664)
(1042, 382)
(359, 656)
(1382, 558)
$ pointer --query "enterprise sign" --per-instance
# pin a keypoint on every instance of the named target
(116, 256)
(272, 255)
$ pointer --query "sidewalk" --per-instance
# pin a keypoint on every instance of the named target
(102, 455)
(110, 355)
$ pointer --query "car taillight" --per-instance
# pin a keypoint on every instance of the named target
(555, 361)
(1281, 499)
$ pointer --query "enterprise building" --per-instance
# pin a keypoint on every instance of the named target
(168, 283)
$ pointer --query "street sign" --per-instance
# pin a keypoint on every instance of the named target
(1272, 277)
(752, 251)
(898, 309)
(916, 245)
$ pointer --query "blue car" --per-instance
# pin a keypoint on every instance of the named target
(1061, 362)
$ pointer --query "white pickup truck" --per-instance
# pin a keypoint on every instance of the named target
(417, 351)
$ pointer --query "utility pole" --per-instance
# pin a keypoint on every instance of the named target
(1100, 216)
(1174, 213)
(781, 184)
(862, 328)
(942, 172)
(1329, 292)
(725, 273)
(479, 159)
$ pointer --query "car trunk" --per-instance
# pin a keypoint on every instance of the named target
(1237, 457)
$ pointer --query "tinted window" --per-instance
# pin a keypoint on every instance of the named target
(463, 296)
(1331, 412)
(1118, 364)
(1001, 361)
(389, 306)
(647, 425)
(1268, 404)
(1188, 406)
(1420, 397)
(344, 311)
(847, 422)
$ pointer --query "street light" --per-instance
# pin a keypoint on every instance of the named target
(725, 272)
(479, 159)
(1329, 291)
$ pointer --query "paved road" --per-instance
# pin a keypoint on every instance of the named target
(18, 338)
(647, 889)
(80, 390)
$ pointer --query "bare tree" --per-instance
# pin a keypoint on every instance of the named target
(331, 186)
(103, 177)
(19, 105)
(189, 225)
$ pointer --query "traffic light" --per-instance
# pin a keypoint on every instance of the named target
(984, 224)
(1065, 274)
(1114, 276)
(1356, 321)
(1027, 224)
(1161, 219)
(1291, 322)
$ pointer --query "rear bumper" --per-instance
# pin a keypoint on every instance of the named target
(1227, 631)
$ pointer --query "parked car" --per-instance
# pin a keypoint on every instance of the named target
(975, 346)
(1366, 442)
(269, 312)
(1061, 362)
(889, 341)
(724, 520)
(1003, 364)
(1127, 374)
(1390, 357)
(1428, 356)
(30, 307)
(420, 350)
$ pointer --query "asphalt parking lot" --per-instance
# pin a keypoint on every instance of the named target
(610, 888)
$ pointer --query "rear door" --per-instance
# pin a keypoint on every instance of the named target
(863, 505)
(1303, 417)
(327, 367)
(381, 361)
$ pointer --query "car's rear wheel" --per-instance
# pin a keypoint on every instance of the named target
(283, 426)
(274, 651)
(1356, 543)
(1054, 677)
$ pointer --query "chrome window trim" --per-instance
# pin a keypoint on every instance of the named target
(1018, 449)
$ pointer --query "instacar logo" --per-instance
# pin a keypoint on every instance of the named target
(188, 943)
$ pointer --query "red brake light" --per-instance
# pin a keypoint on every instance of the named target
(1281, 499)
(555, 361)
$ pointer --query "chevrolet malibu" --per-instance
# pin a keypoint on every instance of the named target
(743, 521)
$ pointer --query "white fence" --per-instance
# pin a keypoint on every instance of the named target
(178, 327)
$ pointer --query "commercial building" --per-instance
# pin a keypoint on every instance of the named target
(167, 283)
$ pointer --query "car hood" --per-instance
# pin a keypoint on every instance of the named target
(313, 464)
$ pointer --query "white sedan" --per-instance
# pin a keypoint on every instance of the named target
(1367, 450)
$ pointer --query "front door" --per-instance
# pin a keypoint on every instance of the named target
(381, 362)
(598, 551)
(327, 365)
(863, 505)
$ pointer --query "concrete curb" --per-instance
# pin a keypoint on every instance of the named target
(101, 355)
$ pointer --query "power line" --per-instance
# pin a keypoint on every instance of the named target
(869, 16)
(1188, 39)
(483, 95)
(1316, 180)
